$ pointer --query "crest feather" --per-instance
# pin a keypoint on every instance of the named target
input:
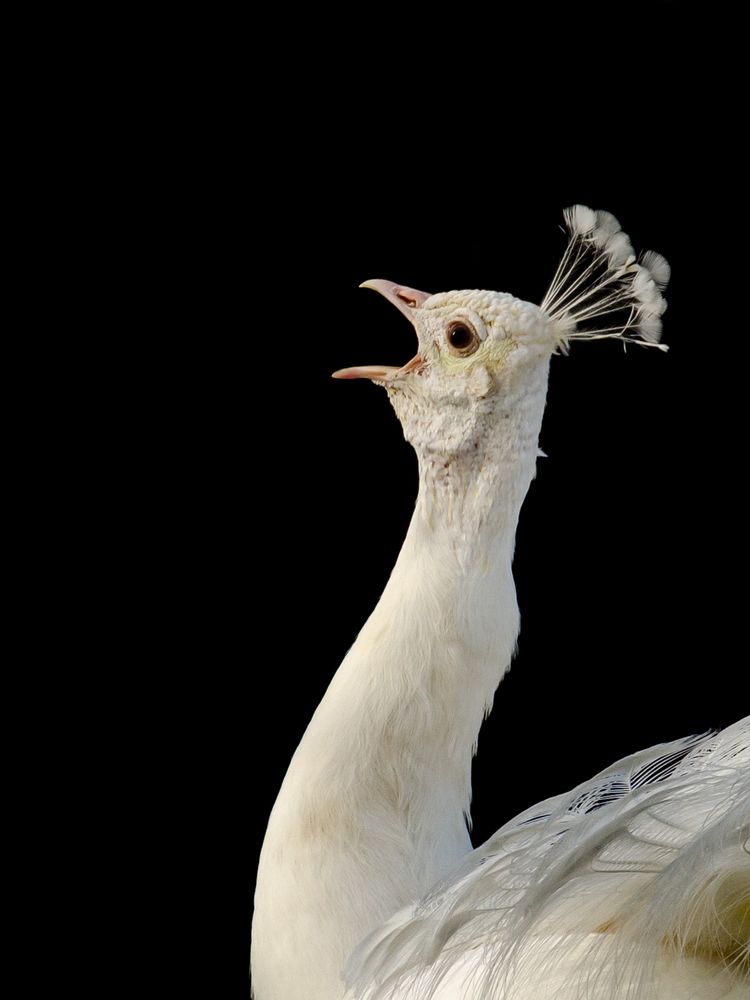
(600, 289)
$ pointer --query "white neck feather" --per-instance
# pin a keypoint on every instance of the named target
(372, 810)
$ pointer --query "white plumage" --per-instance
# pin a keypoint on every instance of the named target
(635, 885)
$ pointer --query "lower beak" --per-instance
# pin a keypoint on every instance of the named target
(381, 372)
(407, 301)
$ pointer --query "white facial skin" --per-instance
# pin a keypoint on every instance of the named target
(479, 351)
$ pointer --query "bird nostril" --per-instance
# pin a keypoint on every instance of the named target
(408, 299)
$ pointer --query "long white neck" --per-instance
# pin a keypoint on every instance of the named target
(373, 808)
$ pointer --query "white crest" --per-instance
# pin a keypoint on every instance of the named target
(600, 289)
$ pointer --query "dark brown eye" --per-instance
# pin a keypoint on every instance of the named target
(462, 338)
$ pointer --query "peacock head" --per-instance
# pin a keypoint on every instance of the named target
(476, 351)
(484, 355)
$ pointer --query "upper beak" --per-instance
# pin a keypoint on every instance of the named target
(407, 301)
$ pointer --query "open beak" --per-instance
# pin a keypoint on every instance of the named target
(407, 301)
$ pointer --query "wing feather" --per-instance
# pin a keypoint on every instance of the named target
(634, 884)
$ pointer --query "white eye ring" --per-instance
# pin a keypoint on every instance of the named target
(462, 338)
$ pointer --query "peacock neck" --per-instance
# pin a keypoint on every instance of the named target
(373, 809)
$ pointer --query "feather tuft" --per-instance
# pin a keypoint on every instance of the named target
(580, 219)
(600, 290)
(658, 266)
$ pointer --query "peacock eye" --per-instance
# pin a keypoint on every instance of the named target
(462, 338)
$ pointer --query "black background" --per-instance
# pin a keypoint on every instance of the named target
(442, 158)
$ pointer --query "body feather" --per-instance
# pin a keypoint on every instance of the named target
(633, 886)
